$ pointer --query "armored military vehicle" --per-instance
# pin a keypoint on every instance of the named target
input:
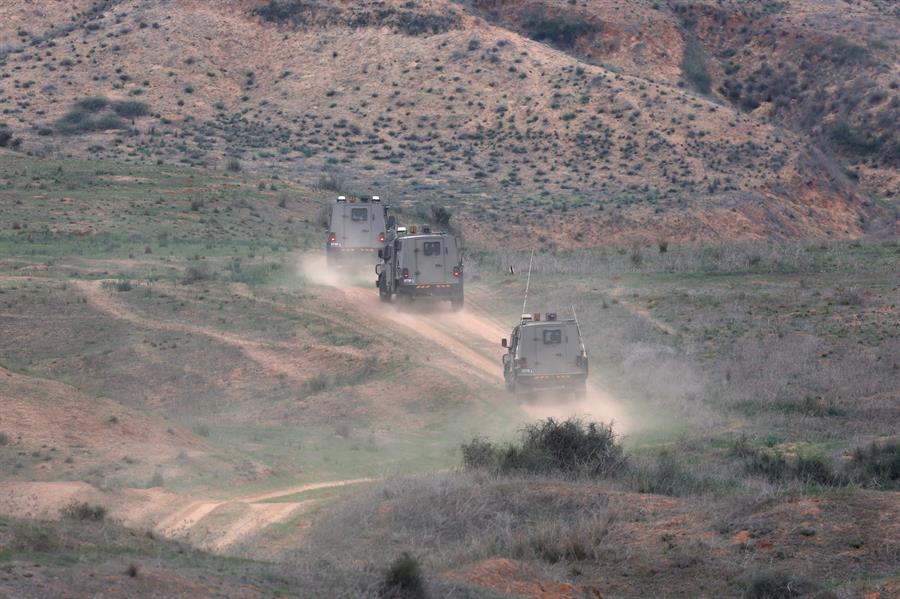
(544, 355)
(356, 230)
(418, 263)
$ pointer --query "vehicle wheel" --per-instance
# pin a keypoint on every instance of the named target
(457, 304)
(384, 295)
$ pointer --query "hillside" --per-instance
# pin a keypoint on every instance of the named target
(484, 106)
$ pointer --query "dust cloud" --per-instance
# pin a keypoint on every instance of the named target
(470, 339)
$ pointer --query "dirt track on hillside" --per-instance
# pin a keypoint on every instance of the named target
(470, 338)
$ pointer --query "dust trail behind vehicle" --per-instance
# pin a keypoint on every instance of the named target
(471, 337)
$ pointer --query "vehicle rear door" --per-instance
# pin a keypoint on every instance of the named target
(356, 226)
(430, 260)
(550, 343)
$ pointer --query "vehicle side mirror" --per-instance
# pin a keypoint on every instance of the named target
(381, 253)
(504, 343)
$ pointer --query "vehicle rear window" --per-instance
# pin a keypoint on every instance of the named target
(432, 248)
(552, 336)
(359, 214)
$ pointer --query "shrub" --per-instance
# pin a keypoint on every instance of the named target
(479, 454)
(404, 579)
(4, 439)
(562, 30)
(5, 136)
(876, 465)
(816, 470)
(330, 181)
(441, 216)
(693, 66)
(75, 121)
(776, 585)
(316, 384)
(84, 511)
(130, 109)
(772, 466)
(636, 257)
(94, 104)
(108, 120)
(123, 285)
(233, 165)
(88, 115)
(571, 447)
(667, 477)
(156, 480)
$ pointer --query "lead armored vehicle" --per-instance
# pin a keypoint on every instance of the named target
(356, 230)
(418, 263)
(545, 355)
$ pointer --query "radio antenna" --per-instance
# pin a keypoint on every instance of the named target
(528, 281)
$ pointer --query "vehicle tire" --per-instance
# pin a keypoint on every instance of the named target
(456, 304)
(383, 294)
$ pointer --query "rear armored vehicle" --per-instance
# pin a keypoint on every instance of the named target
(545, 355)
(356, 230)
(420, 264)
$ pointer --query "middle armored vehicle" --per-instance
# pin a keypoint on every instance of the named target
(356, 230)
(418, 263)
(545, 355)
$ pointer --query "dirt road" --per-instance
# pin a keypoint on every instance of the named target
(470, 338)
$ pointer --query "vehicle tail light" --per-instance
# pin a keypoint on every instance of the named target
(381, 238)
(456, 272)
(332, 238)
(405, 273)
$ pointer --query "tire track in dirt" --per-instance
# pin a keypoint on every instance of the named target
(257, 512)
(642, 312)
(292, 360)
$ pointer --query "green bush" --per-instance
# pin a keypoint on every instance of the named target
(76, 120)
(571, 447)
(108, 120)
(693, 66)
(84, 511)
(776, 585)
(86, 117)
(876, 465)
(667, 477)
(562, 30)
(94, 104)
(4, 439)
(404, 579)
(130, 109)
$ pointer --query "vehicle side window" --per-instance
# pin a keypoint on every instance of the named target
(432, 248)
(359, 214)
(552, 336)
